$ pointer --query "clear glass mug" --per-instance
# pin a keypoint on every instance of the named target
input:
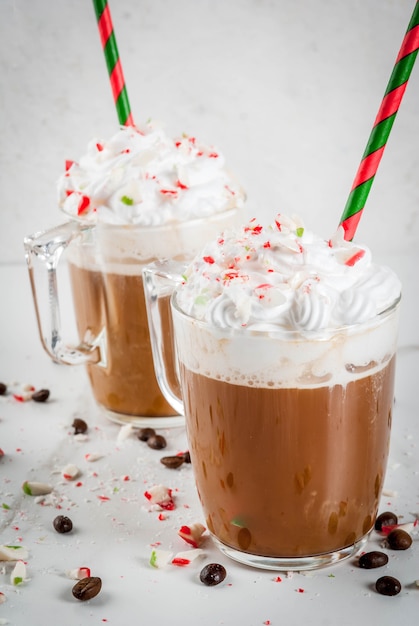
(105, 265)
(288, 433)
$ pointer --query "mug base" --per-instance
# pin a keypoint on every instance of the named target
(293, 564)
(145, 421)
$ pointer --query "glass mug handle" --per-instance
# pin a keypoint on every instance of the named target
(160, 279)
(43, 251)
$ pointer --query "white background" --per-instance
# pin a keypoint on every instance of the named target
(287, 89)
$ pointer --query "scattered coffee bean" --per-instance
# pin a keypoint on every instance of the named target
(399, 539)
(41, 395)
(388, 586)
(157, 442)
(370, 560)
(3, 389)
(62, 524)
(79, 426)
(186, 456)
(145, 433)
(385, 519)
(212, 574)
(87, 588)
(172, 462)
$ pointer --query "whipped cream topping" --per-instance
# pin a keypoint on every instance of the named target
(141, 176)
(285, 277)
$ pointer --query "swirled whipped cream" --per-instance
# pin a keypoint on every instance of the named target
(141, 176)
(283, 276)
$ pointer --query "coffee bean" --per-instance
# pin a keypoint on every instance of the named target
(388, 586)
(157, 442)
(62, 524)
(79, 426)
(385, 519)
(212, 574)
(41, 395)
(87, 588)
(370, 560)
(3, 389)
(145, 433)
(172, 462)
(186, 456)
(399, 539)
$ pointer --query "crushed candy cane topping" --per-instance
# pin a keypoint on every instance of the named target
(160, 496)
(142, 176)
(78, 573)
(192, 534)
(34, 488)
(18, 575)
(285, 277)
(13, 553)
(70, 472)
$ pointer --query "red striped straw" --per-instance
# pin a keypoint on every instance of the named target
(382, 127)
(113, 62)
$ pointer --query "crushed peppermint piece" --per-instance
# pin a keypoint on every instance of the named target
(92, 457)
(78, 573)
(160, 496)
(192, 534)
(33, 488)
(70, 472)
(355, 258)
(22, 397)
(81, 437)
(125, 432)
(18, 574)
(186, 557)
(389, 493)
(2, 597)
(83, 205)
(160, 558)
(180, 561)
(13, 553)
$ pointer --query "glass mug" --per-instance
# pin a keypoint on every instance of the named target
(289, 472)
(105, 265)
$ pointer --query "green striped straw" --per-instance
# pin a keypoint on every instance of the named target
(382, 127)
(113, 62)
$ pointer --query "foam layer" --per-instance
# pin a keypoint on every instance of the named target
(279, 358)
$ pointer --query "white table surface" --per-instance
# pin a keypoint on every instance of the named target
(114, 537)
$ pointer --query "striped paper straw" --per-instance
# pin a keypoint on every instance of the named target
(382, 127)
(113, 62)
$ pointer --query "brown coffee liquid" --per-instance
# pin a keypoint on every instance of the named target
(289, 472)
(116, 303)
